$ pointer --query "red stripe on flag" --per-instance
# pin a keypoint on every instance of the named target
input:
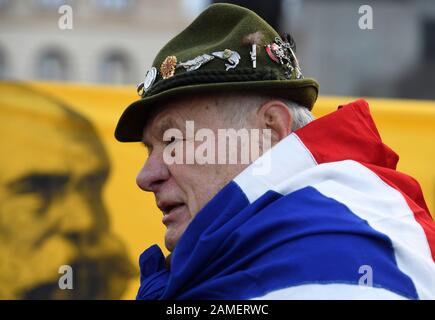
(351, 134)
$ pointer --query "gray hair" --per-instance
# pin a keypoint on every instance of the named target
(240, 108)
(301, 116)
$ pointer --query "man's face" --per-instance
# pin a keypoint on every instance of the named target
(51, 207)
(181, 190)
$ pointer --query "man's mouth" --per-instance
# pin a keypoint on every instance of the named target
(97, 278)
(170, 211)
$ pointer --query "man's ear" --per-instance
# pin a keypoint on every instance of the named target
(276, 116)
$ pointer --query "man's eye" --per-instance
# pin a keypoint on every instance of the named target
(45, 187)
(44, 184)
(172, 140)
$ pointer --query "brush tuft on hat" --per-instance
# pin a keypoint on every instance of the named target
(253, 38)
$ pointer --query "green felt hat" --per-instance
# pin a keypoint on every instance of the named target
(216, 53)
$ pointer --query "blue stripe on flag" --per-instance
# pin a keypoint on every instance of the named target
(233, 250)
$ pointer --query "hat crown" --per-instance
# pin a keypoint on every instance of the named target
(221, 26)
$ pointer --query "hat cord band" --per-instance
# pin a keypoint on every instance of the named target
(214, 76)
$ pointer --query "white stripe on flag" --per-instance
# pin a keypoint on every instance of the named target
(288, 158)
(335, 291)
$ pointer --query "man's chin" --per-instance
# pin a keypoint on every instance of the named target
(170, 246)
(105, 278)
(171, 240)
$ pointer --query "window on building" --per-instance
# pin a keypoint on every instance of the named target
(429, 40)
(4, 4)
(52, 65)
(49, 4)
(115, 68)
(3, 67)
(115, 5)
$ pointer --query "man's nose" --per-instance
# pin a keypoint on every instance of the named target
(77, 216)
(153, 173)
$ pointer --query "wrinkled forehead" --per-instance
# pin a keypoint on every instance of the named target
(40, 135)
(174, 114)
(164, 120)
(45, 149)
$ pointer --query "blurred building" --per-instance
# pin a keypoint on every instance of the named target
(112, 41)
(115, 41)
(394, 59)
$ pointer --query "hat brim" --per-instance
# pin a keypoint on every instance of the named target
(131, 124)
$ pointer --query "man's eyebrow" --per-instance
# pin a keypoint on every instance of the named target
(98, 176)
(161, 127)
(39, 182)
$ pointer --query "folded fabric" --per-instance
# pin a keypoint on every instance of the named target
(333, 219)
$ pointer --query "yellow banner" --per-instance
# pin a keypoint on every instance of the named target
(68, 195)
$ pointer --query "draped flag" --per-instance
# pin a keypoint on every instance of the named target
(332, 220)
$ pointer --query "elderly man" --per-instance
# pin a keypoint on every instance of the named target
(309, 209)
